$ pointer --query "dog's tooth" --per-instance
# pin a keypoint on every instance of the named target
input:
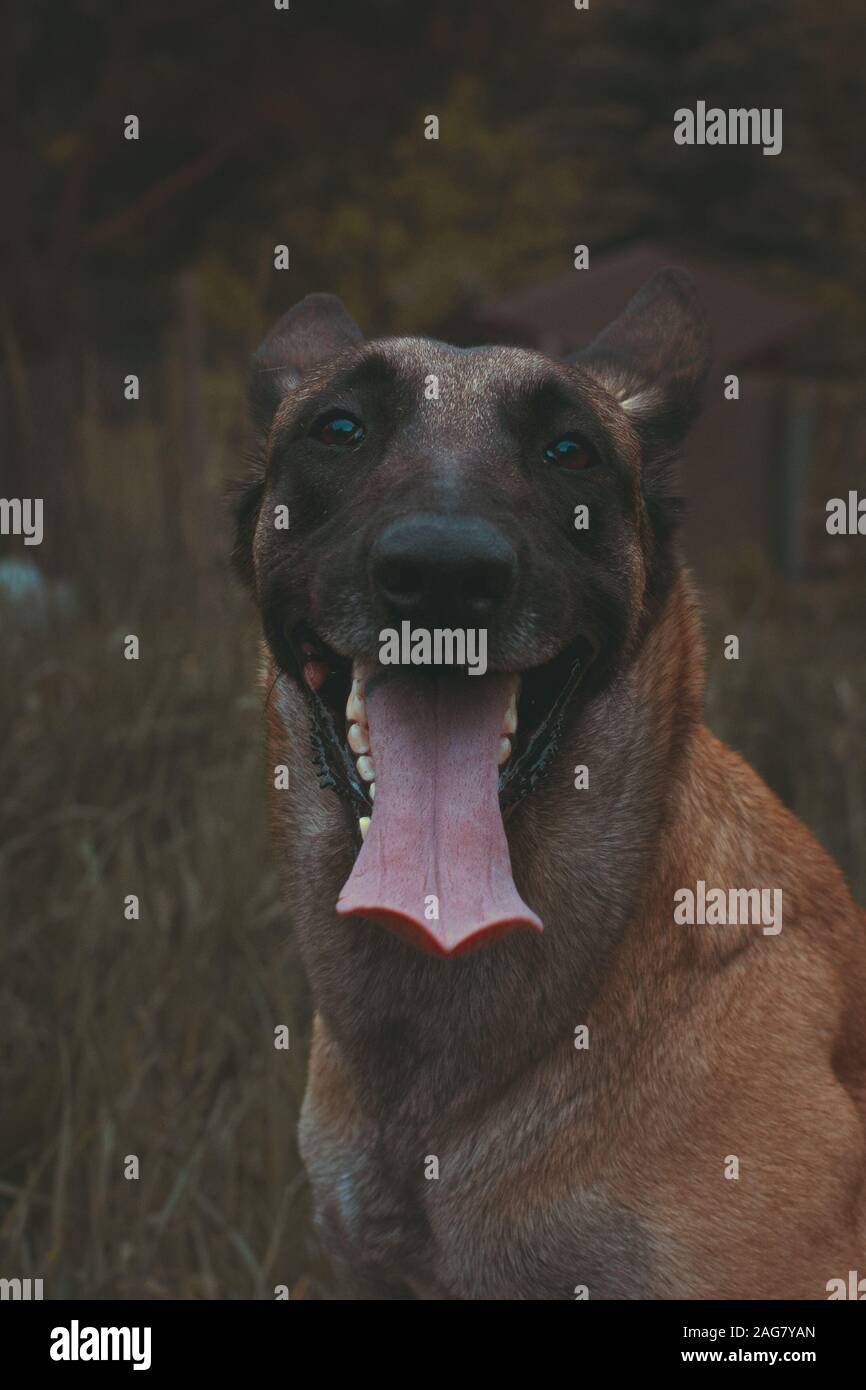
(372, 790)
(365, 769)
(358, 738)
(504, 750)
(363, 826)
(356, 710)
(509, 719)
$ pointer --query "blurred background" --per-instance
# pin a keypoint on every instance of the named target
(155, 257)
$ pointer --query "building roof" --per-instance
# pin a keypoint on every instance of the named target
(561, 315)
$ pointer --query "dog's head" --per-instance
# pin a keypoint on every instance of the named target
(519, 505)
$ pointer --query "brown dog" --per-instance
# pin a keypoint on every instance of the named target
(620, 1104)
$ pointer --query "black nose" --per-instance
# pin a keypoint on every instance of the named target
(442, 569)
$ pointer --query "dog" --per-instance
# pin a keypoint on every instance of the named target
(530, 1076)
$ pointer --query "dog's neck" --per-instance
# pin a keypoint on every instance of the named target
(446, 1030)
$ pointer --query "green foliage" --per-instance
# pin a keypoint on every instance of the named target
(410, 233)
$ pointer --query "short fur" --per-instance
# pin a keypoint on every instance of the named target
(558, 1167)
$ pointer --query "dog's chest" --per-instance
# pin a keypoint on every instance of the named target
(367, 1212)
(448, 1225)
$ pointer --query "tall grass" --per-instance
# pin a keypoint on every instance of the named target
(793, 703)
(152, 1037)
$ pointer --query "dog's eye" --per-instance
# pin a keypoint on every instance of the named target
(338, 428)
(570, 452)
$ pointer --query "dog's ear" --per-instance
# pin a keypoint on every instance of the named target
(654, 359)
(315, 330)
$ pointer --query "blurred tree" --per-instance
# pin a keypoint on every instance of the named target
(411, 231)
(636, 64)
(226, 95)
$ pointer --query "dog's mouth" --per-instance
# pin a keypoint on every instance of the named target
(430, 762)
(336, 687)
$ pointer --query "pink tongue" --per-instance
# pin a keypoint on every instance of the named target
(436, 842)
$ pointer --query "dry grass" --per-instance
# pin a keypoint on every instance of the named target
(153, 1037)
(793, 703)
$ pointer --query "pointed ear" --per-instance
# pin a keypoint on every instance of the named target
(312, 332)
(654, 359)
